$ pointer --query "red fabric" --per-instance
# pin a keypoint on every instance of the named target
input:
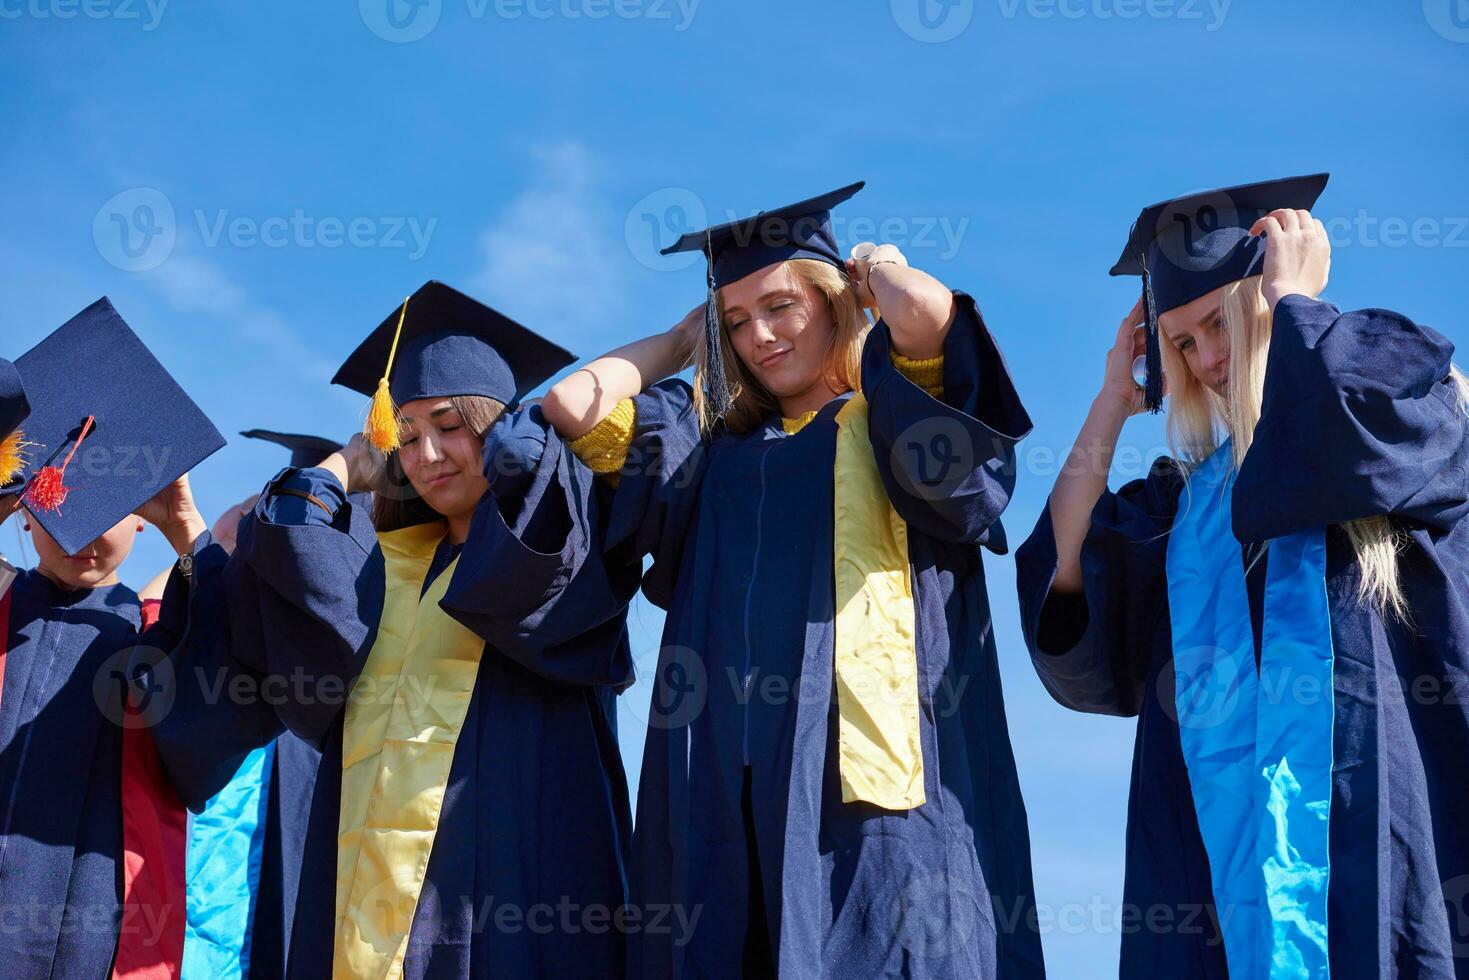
(150, 944)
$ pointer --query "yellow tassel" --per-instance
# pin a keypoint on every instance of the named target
(12, 457)
(382, 418)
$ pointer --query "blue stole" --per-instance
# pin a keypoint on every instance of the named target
(222, 872)
(1257, 743)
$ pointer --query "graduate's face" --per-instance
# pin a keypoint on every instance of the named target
(440, 455)
(1197, 330)
(781, 329)
(94, 565)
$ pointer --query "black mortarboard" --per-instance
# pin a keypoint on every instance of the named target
(448, 345)
(113, 424)
(13, 411)
(1189, 246)
(305, 450)
(737, 248)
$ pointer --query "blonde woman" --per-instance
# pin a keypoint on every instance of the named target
(1284, 607)
(828, 788)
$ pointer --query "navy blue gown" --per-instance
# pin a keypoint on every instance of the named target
(535, 809)
(1359, 420)
(741, 830)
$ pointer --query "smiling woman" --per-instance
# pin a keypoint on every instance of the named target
(807, 785)
(440, 459)
(474, 769)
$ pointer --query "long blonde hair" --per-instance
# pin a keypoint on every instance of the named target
(752, 404)
(1198, 420)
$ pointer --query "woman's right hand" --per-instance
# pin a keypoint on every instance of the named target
(366, 467)
(1117, 382)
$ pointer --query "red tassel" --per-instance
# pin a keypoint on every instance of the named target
(48, 488)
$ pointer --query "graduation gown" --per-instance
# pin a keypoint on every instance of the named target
(1359, 420)
(741, 829)
(91, 837)
(526, 865)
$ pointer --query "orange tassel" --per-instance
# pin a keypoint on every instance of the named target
(381, 428)
(12, 457)
(48, 489)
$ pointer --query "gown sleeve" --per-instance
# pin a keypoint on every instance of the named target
(526, 580)
(1359, 419)
(1092, 649)
(948, 463)
(272, 636)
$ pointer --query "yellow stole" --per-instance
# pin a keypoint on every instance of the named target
(879, 752)
(402, 723)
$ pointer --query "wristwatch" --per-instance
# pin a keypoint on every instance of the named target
(185, 565)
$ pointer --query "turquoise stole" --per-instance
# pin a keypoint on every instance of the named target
(1257, 743)
(223, 873)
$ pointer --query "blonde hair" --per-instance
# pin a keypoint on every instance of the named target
(1198, 420)
(751, 403)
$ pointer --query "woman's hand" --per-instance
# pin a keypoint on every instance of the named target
(172, 511)
(866, 255)
(366, 467)
(686, 335)
(228, 525)
(1297, 255)
(1117, 381)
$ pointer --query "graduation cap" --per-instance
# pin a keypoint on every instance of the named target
(13, 411)
(737, 248)
(305, 450)
(1189, 246)
(440, 344)
(113, 429)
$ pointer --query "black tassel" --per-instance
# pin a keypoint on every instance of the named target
(1153, 390)
(716, 385)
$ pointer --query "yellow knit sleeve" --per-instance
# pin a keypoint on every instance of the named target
(927, 374)
(604, 448)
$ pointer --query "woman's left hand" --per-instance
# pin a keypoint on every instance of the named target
(1297, 254)
(865, 256)
(172, 511)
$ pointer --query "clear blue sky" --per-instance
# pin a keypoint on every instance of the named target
(319, 163)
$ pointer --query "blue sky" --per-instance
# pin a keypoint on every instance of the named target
(286, 172)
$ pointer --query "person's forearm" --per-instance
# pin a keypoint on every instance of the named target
(1082, 482)
(917, 308)
(577, 403)
(182, 535)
